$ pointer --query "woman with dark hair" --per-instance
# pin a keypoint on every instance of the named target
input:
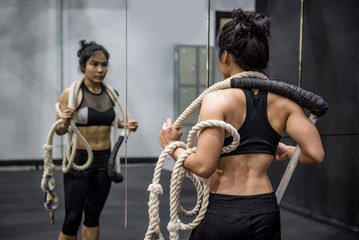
(242, 204)
(86, 191)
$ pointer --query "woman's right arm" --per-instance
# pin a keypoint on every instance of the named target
(67, 113)
(302, 130)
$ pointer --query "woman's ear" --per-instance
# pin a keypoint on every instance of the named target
(225, 57)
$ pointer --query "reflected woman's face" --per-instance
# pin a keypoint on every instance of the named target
(96, 67)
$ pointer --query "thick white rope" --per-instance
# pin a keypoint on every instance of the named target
(48, 178)
(218, 86)
(177, 179)
(125, 131)
(178, 173)
(69, 156)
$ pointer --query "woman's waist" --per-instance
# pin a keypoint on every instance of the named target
(97, 137)
(83, 154)
(99, 156)
(240, 183)
(95, 145)
(96, 133)
(259, 203)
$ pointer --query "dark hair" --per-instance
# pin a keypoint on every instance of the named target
(87, 50)
(246, 38)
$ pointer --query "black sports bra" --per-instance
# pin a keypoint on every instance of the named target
(256, 133)
(95, 109)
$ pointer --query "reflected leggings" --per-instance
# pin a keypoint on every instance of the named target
(86, 191)
(240, 218)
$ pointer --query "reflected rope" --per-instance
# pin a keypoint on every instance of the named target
(48, 184)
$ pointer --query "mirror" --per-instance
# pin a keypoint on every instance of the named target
(158, 63)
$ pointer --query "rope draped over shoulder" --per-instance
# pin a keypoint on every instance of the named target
(74, 134)
(218, 86)
(48, 185)
(242, 80)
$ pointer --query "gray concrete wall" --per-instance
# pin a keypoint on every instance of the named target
(330, 68)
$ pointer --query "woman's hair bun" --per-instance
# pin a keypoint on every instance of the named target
(250, 24)
(245, 37)
(83, 45)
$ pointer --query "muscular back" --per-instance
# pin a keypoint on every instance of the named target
(246, 174)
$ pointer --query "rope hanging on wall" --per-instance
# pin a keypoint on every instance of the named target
(48, 184)
(308, 100)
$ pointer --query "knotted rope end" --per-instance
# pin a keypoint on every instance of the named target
(47, 147)
(155, 188)
(173, 227)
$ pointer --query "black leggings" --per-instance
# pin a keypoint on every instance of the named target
(240, 218)
(86, 191)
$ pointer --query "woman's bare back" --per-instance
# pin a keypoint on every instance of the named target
(246, 174)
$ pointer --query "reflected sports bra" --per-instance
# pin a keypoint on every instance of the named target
(95, 109)
(256, 133)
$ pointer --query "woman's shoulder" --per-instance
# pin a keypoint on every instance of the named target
(282, 102)
(65, 92)
(64, 95)
(225, 94)
(224, 99)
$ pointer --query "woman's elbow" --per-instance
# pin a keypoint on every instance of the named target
(204, 172)
(315, 157)
(321, 157)
(318, 158)
(60, 131)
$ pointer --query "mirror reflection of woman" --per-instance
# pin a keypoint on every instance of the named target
(242, 203)
(86, 191)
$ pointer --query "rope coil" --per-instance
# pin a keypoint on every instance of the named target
(177, 178)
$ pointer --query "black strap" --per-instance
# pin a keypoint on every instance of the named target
(308, 100)
(114, 175)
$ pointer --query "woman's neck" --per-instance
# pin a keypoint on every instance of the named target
(92, 86)
(234, 71)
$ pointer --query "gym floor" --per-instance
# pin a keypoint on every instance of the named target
(22, 215)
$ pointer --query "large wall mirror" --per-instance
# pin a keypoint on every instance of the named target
(158, 63)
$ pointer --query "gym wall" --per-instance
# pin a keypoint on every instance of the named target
(327, 192)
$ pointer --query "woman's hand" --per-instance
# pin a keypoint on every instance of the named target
(283, 152)
(131, 125)
(68, 113)
(169, 133)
